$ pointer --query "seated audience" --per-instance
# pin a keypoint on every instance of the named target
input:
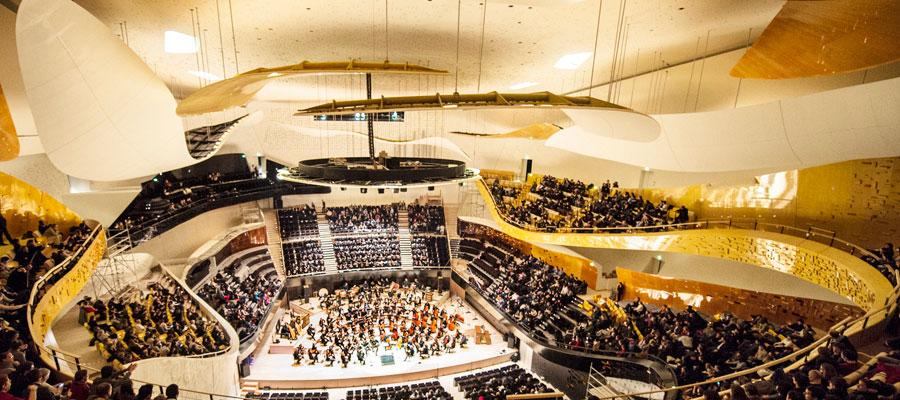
(367, 252)
(298, 222)
(243, 302)
(430, 250)
(361, 219)
(303, 257)
(426, 218)
(159, 322)
(498, 383)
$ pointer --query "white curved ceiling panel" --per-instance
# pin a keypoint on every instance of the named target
(838, 125)
(100, 112)
(625, 125)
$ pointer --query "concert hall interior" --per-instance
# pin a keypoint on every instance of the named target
(437, 199)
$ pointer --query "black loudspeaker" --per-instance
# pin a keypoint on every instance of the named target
(430, 188)
(528, 166)
(307, 293)
(403, 190)
(512, 342)
(381, 191)
(244, 369)
(277, 203)
(506, 337)
(363, 190)
(515, 357)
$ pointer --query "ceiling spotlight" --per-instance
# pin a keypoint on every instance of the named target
(179, 43)
(572, 61)
(274, 74)
(450, 105)
(523, 85)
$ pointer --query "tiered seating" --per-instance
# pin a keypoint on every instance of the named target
(159, 321)
(303, 257)
(426, 218)
(470, 249)
(295, 223)
(367, 252)
(430, 250)
(363, 219)
(243, 302)
(498, 383)
(289, 396)
(564, 203)
(417, 391)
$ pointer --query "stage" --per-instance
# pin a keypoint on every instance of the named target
(275, 365)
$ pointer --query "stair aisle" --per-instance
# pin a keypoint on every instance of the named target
(273, 234)
(405, 241)
(327, 244)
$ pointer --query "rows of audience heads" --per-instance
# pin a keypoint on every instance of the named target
(159, 321)
(243, 301)
(553, 203)
(367, 252)
(363, 218)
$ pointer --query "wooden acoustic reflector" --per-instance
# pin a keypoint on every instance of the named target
(237, 91)
(815, 38)
(9, 139)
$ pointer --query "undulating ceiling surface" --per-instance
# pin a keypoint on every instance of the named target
(814, 38)
(100, 111)
(838, 125)
(9, 140)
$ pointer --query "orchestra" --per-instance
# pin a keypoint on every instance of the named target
(375, 319)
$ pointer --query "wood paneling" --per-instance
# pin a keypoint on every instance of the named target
(9, 139)
(814, 38)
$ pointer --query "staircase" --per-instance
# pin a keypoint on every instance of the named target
(454, 248)
(273, 234)
(405, 241)
(451, 215)
(327, 244)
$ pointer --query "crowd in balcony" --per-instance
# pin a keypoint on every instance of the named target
(244, 302)
(885, 261)
(553, 203)
(32, 255)
(367, 252)
(417, 391)
(363, 219)
(159, 321)
(298, 222)
(496, 384)
(303, 257)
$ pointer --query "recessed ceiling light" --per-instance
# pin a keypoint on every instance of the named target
(572, 61)
(523, 85)
(179, 43)
(274, 74)
(450, 105)
(205, 75)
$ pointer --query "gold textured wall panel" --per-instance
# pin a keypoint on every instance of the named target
(9, 139)
(24, 205)
(830, 268)
(57, 296)
(715, 299)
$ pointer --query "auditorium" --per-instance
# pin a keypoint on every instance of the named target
(449, 200)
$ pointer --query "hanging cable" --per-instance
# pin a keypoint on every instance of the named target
(233, 41)
(221, 43)
(386, 42)
(458, 18)
(481, 52)
(596, 41)
(612, 70)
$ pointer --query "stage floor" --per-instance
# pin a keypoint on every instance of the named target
(278, 372)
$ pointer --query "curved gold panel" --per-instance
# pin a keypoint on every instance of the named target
(24, 205)
(63, 291)
(825, 266)
(237, 91)
(9, 139)
(814, 38)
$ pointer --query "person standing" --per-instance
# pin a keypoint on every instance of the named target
(3, 231)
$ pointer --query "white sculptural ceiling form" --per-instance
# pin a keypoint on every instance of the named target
(101, 113)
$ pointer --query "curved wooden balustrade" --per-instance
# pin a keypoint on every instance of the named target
(763, 245)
